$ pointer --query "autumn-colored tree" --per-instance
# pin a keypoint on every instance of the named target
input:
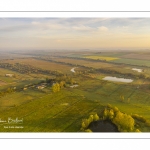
(83, 125)
(122, 98)
(105, 114)
(137, 130)
(95, 117)
(56, 87)
(88, 130)
(62, 84)
(123, 121)
(90, 119)
(111, 114)
(86, 122)
(115, 109)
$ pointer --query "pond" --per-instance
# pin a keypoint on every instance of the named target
(109, 78)
(103, 126)
(138, 70)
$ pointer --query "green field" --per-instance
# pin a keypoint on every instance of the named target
(44, 110)
(133, 62)
(64, 111)
(101, 58)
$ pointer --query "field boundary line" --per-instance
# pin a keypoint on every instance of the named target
(81, 116)
(57, 113)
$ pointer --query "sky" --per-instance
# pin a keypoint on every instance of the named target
(74, 33)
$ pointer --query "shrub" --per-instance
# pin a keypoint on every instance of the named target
(88, 130)
(137, 130)
(56, 87)
(115, 109)
(140, 118)
(108, 114)
(95, 117)
(85, 122)
(123, 121)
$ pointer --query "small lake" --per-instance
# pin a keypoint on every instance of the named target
(138, 70)
(109, 78)
(103, 126)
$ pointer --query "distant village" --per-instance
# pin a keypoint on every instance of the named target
(38, 86)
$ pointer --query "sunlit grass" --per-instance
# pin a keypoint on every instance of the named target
(101, 58)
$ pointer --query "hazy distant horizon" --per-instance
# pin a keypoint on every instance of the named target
(74, 50)
(74, 34)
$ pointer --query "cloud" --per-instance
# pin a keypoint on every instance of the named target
(14, 28)
(82, 28)
(47, 25)
(52, 31)
(62, 28)
(102, 28)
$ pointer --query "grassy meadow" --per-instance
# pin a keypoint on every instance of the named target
(133, 62)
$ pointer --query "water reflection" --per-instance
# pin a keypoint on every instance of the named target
(109, 78)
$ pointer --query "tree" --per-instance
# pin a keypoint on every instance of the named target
(56, 87)
(115, 109)
(90, 119)
(71, 81)
(122, 98)
(105, 114)
(128, 100)
(137, 130)
(86, 123)
(95, 117)
(88, 130)
(62, 84)
(111, 114)
(83, 125)
(123, 121)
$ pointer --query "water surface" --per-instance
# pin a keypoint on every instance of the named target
(72, 70)
(109, 78)
(138, 70)
(103, 126)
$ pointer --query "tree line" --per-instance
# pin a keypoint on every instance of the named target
(99, 70)
(27, 69)
(6, 91)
